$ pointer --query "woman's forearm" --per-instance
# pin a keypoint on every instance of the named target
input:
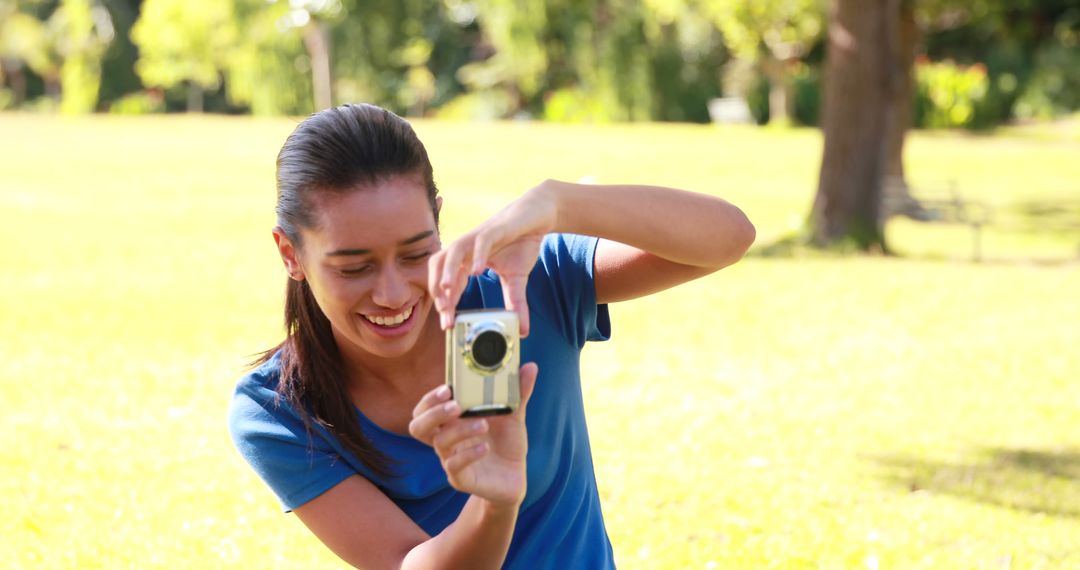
(684, 227)
(479, 538)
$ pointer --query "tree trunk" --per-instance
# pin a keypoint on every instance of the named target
(779, 90)
(194, 97)
(317, 42)
(897, 194)
(856, 117)
(16, 78)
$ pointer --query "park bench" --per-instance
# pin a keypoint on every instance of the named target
(936, 205)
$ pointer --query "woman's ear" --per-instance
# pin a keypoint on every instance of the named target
(438, 204)
(288, 254)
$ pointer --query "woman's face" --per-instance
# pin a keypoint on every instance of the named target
(366, 262)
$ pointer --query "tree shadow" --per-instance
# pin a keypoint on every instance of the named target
(1051, 216)
(1030, 480)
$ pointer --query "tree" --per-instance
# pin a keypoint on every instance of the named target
(62, 44)
(857, 112)
(185, 41)
(84, 31)
(771, 34)
(25, 43)
(313, 19)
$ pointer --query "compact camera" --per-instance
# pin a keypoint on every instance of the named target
(482, 362)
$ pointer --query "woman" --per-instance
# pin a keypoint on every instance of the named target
(348, 419)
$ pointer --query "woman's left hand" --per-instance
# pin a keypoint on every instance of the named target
(508, 243)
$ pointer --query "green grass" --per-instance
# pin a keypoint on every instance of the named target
(803, 412)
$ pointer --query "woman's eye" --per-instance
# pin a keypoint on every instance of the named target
(353, 271)
(418, 256)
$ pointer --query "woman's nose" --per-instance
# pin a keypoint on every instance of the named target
(391, 288)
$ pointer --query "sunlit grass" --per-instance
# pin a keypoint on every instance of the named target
(785, 413)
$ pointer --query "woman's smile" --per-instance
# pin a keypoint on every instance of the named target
(391, 325)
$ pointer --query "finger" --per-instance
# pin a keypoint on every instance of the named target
(464, 458)
(453, 280)
(527, 377)
(452, 435)
(425, 426)
(457, 255)
(514, 296)
(481, 251)
(432, 398)
(435, 270)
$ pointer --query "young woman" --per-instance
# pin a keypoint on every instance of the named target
(348, 420)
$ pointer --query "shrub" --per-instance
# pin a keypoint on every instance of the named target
(947, 94)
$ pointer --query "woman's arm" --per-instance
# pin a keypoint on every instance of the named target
(484, 457)
(652, 238)
(367, 530)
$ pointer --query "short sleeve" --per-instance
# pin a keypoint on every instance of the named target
(270, 435)
(567, 284)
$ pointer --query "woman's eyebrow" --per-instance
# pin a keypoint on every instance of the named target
(407, 241)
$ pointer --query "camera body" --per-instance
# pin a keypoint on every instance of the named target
(482, 361)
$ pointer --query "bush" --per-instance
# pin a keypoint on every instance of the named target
(1054, 88)
(947, 94)
(575, 105)
(139, 103)
(805, 104)
(487, 105)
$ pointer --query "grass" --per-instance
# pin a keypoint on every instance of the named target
(804, 412)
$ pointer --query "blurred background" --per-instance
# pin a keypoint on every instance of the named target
(975, 64)
(888, 380)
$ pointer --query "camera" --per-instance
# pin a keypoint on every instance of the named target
(482, 362)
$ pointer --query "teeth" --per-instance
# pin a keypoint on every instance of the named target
(391, 321)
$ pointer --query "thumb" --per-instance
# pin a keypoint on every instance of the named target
(514, 297)
(527, 378)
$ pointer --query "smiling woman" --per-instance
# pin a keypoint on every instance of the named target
(348, 420)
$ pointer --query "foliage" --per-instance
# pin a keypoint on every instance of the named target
(1054, 87)
(185, 41)
(84, 30)
(24, 38)
(268, 67)
(610, 60)
(805, 91)
(141, 103)
(61, 43)
(400, 54)
(771, 34)
(948, 94)
(574, 105)
(782, 29)
(486, 105)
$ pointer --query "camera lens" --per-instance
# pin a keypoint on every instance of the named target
(489, 349)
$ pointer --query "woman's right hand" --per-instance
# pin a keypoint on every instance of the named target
(481, 456)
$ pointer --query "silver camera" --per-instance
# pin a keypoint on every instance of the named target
(482, 362)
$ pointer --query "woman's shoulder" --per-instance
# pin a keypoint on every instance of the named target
(255, 398)
(264, 376)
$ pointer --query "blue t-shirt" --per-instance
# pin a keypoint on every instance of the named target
(560, 523)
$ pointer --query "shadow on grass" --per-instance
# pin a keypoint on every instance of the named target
(797, 246)
(1029, 480)
(1050, 216)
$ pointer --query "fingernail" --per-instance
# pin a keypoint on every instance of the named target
(450, 406)
(477, 426)
(443, 391)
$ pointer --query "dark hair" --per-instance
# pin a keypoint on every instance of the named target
(337, 150)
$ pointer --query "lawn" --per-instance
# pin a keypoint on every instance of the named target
(809, 411)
